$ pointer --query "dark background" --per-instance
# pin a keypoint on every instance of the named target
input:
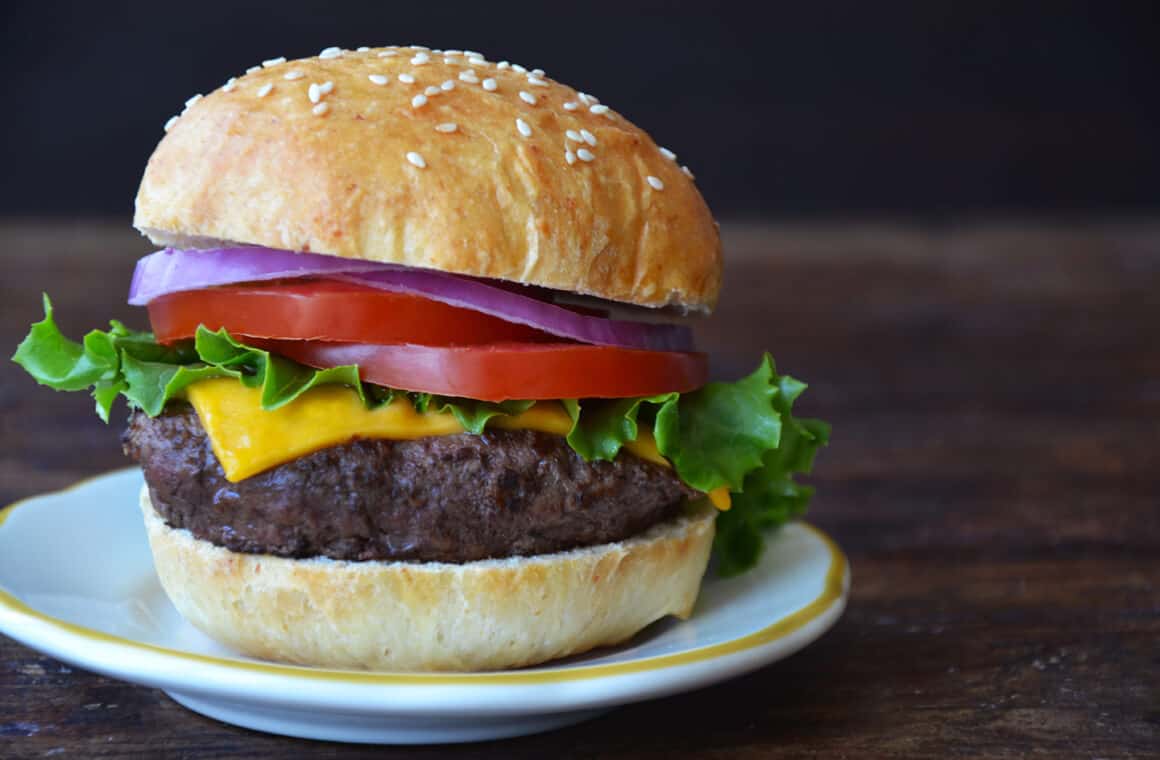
(991, 375)
(781, 109)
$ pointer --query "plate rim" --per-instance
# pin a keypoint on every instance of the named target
(834, 590)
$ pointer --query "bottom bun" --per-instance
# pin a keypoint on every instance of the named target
(485, 615)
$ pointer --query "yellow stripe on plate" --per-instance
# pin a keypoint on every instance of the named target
(832, 591)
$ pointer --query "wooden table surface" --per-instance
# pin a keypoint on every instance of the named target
(994, 477)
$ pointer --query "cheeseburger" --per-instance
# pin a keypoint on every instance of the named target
(416, 394)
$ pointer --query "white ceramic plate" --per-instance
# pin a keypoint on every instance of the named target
(77, 582)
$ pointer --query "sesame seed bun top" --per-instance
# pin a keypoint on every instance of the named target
(436, 159)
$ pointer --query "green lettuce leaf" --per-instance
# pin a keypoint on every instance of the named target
(607, 424)
(132, 364)
(63, 364)
(474, 415)
(770, 497)
(716, 435)
(740, 435)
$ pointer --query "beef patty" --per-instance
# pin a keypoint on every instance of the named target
(454, 498)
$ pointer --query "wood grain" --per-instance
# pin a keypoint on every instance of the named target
(995, 395)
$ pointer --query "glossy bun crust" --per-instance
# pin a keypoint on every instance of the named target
(366, 172)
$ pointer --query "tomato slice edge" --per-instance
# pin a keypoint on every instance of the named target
(503, 371)
(328, 310)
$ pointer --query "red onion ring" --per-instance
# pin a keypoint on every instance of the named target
(174, 270)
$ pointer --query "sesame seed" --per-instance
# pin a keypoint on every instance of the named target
(419, 101)
(450, 61)
(406, 79)
(571, 106)
(420, 59)
(446, 127)
(655, 182)
(362, 49)
(252, 69)
(326, 87)
(314, 92)
(320, 109)
(588, 137)
(569, 156)
(189, 103)
(527, 97)
(490, 85)
(523, 128)
(537, 82)
(432, 90)
(379, 79)
(448, 86)
(503, 65)
(472, 54)
(264, 90)
(169, 124)
(586, 99)
(585, 155)
(688, 172)
(598, 109)
(469, 77)
(388, 53)
(538, 72)
(330, 52)
(230, 85)
(290, 76)
(452, 52)
(518, 68)
(273, 61)
(668, 154)
(573, 135)
(420, 47)
(416, 160)
(478, 61)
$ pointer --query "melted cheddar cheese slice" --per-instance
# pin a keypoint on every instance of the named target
(247, 439)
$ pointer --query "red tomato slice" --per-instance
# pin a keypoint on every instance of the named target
(502, 371)
(328, 310)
